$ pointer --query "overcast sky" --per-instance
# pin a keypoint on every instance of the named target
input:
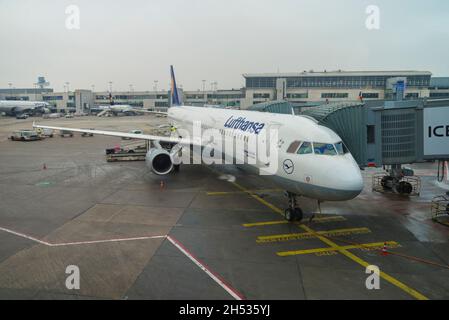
(135, 41)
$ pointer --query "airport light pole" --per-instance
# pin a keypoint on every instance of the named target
(204, 90)
(155, 85)
(110, 86)
(211, 90)
(130, 91)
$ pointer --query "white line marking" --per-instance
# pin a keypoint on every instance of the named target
(234, 293)
(25, 236)
(104, 241)
(78, 242)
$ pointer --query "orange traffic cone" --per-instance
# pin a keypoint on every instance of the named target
(44, 167)
(384, 249)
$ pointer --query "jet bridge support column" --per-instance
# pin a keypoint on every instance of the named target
(443, 174)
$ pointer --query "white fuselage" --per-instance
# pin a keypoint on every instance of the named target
(319, 176)
(20, 106)
(119, 108)
(115, 109)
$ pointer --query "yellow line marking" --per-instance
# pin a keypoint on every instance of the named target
(315, 220)
(309, 235)
(266, 203)
(365, 264)
(224, 193)
(266, 223)
(328, 219)
(446, 223)
(367, 246)
(341, 250)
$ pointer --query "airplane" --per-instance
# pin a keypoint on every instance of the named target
(15, 107)
(312, 160)
(116, 109)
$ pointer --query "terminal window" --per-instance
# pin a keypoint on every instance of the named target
(51, 98)
(261, 95)
(370, 95)
(412, 95)
(371, 134)
(339, 95)
(297, 95)
(439, 94)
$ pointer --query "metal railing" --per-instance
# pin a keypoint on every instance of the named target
(439, 209)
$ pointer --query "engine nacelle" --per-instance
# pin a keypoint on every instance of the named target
(159, 161)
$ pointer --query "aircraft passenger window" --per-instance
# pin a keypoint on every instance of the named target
(306, 148)
(341, 148)
(293, 147)
(324, 148)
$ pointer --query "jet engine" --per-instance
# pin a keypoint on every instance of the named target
(159, 161)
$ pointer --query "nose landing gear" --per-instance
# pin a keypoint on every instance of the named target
(293, 212)
(314, 214)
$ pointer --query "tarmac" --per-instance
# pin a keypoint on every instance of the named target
(207, 232)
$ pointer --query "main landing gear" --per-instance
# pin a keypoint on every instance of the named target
(293, 212)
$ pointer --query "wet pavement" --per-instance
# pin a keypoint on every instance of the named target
(199, 236)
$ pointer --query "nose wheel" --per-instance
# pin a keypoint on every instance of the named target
(293, 212)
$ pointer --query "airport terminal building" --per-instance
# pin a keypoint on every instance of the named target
(334, 86)
(297, 88)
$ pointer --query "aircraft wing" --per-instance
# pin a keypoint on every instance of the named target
(183, 141)
(148, 111)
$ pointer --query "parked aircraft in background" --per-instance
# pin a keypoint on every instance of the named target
(15, 107)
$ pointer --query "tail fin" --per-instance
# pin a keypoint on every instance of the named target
(175, 101)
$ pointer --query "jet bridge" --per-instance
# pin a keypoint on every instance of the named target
(348, 120)
(390, 134)
(385, 134)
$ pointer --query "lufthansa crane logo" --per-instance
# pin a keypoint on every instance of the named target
(288, 166)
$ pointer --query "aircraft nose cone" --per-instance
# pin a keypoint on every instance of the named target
(346, 180)
(352, 180)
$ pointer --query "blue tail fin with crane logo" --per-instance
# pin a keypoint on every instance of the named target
(175, 101)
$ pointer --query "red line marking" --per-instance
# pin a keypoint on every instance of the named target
(218, 279)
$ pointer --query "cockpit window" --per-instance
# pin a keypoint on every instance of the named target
(324, 149)
(293, 147)
(341, 148)
(305, 148)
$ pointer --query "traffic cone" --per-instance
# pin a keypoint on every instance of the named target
(44, 167)
(384, 249)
